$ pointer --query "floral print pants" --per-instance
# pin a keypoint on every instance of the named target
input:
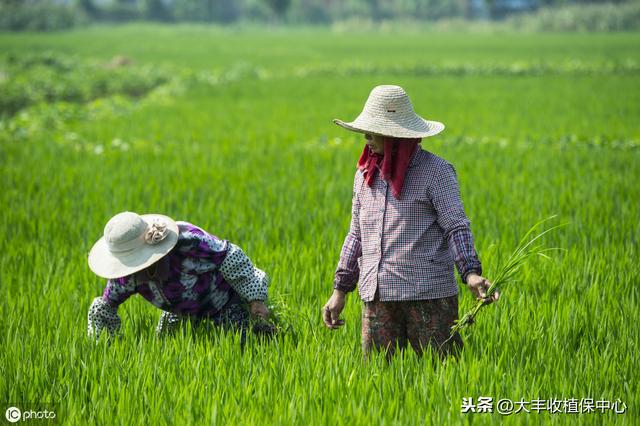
(389, 326)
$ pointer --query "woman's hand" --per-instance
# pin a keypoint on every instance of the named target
(479, 286)
(258, 309)
(332, 310)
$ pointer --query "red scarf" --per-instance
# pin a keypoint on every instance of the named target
(395, 161)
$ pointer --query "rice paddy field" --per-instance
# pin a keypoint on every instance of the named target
(231, 129)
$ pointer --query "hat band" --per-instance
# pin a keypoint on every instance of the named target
(126, 245)
(154, 234)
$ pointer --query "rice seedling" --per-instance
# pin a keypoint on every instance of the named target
(508, 273)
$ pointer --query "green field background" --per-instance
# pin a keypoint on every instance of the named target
(243, 145)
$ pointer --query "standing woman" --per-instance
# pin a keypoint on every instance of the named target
(408, 228)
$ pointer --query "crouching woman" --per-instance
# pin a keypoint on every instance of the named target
(179, 268)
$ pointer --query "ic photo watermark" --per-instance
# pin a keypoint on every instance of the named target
(30, 413)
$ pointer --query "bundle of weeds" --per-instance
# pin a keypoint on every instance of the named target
(280, 321)
(529, 246)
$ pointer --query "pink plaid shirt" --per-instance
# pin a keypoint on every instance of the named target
(406, 248)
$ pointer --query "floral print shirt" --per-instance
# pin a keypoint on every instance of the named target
(204, 274)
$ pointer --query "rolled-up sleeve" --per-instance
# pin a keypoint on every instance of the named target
(250, 282)
(348, 272)
(103, 312)
(102, 316)
(445, 196)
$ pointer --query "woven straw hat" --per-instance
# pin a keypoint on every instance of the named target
(388, 112)
(132, 242)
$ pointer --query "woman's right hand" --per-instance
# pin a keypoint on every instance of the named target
(259, 310)
(332, 309)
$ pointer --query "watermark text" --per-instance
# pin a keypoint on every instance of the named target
(506, 406)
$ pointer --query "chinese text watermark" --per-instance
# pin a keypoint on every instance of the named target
(506, 406)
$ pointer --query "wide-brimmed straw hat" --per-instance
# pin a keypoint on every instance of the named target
(388, 112)
(132, 242)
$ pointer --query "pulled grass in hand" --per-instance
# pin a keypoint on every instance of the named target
(529, 246)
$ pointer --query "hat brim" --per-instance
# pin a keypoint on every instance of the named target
(420, 128)
(108, 265)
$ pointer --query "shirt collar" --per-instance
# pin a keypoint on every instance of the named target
(415, 157)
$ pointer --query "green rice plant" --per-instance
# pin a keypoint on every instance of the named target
(280, 321)
(257, 161)
(528, 247)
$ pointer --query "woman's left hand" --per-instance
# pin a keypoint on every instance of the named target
(479, 286)
(259, 309)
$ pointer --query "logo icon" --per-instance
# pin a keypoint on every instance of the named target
(13, 414)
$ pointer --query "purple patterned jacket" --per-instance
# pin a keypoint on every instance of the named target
(205, 272)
